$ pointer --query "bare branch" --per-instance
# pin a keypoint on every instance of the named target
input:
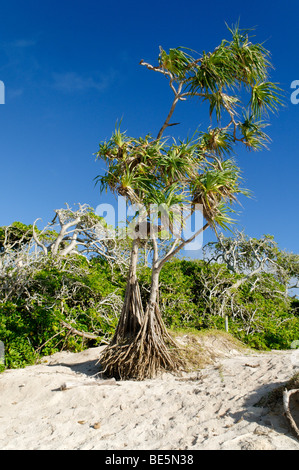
(172, 252)
(286, 405)
(174, 103)
(156, 69)
(74, 331)
(37, 241)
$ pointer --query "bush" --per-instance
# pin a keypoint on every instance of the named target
(81, 294)
(192, 295)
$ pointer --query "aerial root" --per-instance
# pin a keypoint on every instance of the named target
(139, 360)
(152, 351)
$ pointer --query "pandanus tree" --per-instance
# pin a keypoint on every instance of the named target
(234, 81)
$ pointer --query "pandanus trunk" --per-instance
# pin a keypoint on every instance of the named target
(141, 346)
(132, 312)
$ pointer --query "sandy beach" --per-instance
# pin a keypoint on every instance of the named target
(61, 405)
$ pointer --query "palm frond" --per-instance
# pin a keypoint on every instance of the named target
(252, 132)
(217, 188)
(265, 96)
(176, 61)
(216, 141)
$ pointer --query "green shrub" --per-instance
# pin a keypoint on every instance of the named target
(191, 295)
(31, 325)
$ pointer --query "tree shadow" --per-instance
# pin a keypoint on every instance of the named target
(89, 368)
(264, 406)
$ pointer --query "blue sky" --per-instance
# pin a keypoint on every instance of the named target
(71, 69)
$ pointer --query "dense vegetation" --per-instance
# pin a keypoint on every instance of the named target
(60, 295)
(73, 302)
(260, 319)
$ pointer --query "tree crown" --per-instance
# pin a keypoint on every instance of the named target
(200, 170)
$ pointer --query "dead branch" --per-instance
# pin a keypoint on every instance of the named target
(286, 405)
(74, 331)
(81, 232)
(69, 385)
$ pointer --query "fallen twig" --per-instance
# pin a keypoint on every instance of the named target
(69, 385)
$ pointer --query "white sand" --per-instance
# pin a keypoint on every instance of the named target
(209, 409)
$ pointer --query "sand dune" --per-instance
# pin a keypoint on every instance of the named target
(211, 408)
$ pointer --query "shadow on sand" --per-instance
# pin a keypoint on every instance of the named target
(264, 406)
